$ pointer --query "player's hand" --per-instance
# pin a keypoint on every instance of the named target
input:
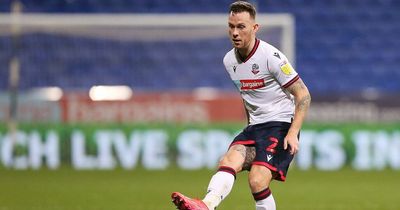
(293, 142)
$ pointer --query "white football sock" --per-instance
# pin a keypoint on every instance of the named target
(266, 204)
(219, 187)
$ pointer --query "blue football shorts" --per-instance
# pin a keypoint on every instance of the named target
(268, 138)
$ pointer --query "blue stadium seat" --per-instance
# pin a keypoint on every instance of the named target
(331, 42)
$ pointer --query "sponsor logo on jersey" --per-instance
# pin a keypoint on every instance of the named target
(286, 68)
(251, 84)
(255, 68)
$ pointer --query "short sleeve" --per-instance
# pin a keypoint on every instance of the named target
(281, 69)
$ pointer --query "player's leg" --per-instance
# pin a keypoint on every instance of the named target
(271, 162)
(220, 184)
(260, 178)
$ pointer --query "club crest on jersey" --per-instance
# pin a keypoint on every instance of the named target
(255, 68)
(234, 69)
(286, 68)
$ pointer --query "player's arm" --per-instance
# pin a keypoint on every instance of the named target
(302, 101)
(247, 113)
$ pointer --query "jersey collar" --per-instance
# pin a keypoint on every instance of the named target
(251, 52)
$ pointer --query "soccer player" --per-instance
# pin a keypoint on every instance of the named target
(276, 101)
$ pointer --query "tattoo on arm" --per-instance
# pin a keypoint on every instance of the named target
(304, 102)
(299, 87)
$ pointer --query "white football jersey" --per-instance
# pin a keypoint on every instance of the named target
(261, 79)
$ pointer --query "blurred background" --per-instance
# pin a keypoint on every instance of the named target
(139, 85)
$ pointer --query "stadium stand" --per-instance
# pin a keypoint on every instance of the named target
(342, 46)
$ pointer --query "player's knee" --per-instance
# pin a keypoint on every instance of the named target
(223, 161)
(259, 179)
(226, 161)
(256, 181)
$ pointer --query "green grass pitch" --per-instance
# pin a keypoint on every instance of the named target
(67, 189)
